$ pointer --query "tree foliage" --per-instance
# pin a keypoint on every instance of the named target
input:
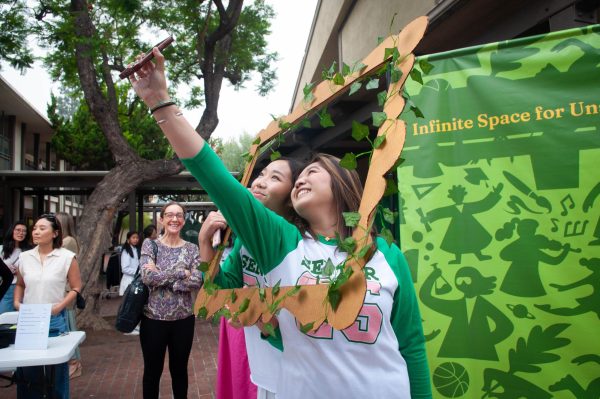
(15, 27)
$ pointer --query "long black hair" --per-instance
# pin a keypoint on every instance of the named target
(129, 248)
(9, 244)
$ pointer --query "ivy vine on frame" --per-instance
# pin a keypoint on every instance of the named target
(340, 301)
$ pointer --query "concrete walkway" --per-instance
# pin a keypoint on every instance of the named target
(113, 365)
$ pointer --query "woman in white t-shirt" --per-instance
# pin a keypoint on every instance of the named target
(43, 273)
(130, 260)
(16, 241)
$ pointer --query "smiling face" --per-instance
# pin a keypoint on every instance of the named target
(273, 185)
(43, 232)
(173, 219)
(19, 234)
(312, 194)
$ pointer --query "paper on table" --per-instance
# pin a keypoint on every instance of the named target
(33, 326)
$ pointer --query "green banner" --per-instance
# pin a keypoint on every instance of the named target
(500, 216)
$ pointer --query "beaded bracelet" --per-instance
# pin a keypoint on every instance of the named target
(160, 105)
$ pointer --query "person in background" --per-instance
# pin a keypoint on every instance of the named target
(170, 270)
(150, 232)
(17, 240)
(43, 273)
(244, 356)
(130, 260)
(70, 242)
(130, 263)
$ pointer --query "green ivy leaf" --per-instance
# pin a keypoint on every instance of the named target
(346, 69)
(351, 219)
(359, 131)
(308, 88)
(354, 87)
(202, 312)
(373, 84)
(233, 296)
(244, 306)
(391, 187)
(391, 52)
(425, 66)
(387, 235)
(275, 289)
(381, 98)
(275, 156)
(389, 215)
(203, 267)
(269, 329)
(348, 161)
(261, 294)
(306, 327)
(396, 74)
(363, 251)
(338, 79)
(380, 39)
(358, 66)
(334, 296)
(379, 140)
(325, 118)
(328, 270)
(415, 74)
(210, 287)
(293, 291)
(256, 141)
(378, 118)
(306, 123)
(417, 112)
(283, 125)
(348, 244)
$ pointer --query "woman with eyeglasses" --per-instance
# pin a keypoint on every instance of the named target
(16, 241)
(42, 275)
(169, 269)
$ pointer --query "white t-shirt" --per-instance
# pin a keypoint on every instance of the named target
(45, 283)
(13, 262)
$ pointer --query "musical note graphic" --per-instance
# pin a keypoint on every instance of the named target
(567, 198)
(554, 228)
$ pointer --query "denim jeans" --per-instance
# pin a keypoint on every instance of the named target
(30, 379)
(6, 304)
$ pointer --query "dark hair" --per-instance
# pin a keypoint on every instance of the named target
(9, 244)
(346, 188)
(128, 248)
(55, 223)
(296, 167)
(148, 230)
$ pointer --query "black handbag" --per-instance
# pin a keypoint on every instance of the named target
(134, 299)
(79, 301)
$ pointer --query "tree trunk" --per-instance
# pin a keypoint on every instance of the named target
(94, 226)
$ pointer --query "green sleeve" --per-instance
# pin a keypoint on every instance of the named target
(230, 271)
(406, 322)
(267, 236)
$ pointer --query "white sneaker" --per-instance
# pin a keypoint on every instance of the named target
(134, 332)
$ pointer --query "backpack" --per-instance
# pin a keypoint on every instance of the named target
(134, 299)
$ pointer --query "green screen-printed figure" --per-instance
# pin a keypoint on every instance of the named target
(469, 334)
(570, 384)
(525, 254)
(463, 223)
(590, 303)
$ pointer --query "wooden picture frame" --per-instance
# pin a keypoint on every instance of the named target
(309, 304)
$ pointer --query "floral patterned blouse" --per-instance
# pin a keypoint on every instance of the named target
(170, 291)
